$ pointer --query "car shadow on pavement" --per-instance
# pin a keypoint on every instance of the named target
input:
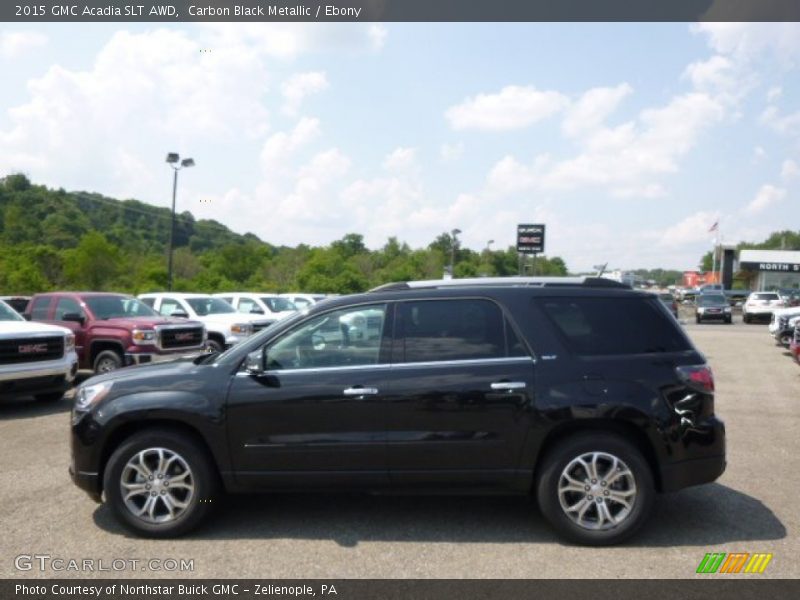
(27, 407)
(702, 516)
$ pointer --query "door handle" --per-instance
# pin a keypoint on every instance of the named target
(360, 391)
(508, 385)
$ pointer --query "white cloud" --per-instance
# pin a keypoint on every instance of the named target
(748, 41)
(781, 123)
(298, 86)
(280, 146)
(377, 35)
(774, 93)
(692, 229)
(767, 196)
(400, 159)
(513, 107)
(759, 153)
(451, 152)
(789, 169)
(716, 73)
(591, 110)
(625, 159)
(14, 44)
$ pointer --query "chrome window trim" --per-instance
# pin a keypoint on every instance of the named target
(384, 366)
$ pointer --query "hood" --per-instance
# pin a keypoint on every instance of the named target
(9, 328)
(228, 319)
(142, 372)
(145, 322)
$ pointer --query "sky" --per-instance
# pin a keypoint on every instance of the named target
(629, 141)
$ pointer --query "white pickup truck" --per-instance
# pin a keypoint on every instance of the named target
(35, 359)
(224, 324)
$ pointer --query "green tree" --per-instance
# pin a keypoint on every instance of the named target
(94, 263)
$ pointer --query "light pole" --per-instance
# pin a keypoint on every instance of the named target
(453, 245)
(489, 245)
(174, 161)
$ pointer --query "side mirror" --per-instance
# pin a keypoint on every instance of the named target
(179, 314)
(254, 362)
(74, 317)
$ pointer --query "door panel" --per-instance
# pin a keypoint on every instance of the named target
(317, 414)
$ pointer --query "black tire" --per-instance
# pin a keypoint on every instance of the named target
(213, 345)
(203, 476)
(746, 318)
(697, 319)
(729, 320)
(49, 398)
(556, 461)
(785, 339)
(107, 360)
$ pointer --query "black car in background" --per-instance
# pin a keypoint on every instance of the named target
(582, 393)
(712, 307)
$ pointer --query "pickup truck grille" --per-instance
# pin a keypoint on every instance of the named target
(259, 325)
(181, 337)
(31, 349)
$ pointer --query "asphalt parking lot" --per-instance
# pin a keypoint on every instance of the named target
(752, 508)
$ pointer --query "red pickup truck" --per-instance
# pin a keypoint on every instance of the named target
(115, 330)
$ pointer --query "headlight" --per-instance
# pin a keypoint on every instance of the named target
(90, 395)
(701, 309)
(143, 336)
(727, 309)
(242, 328)
(69, 342)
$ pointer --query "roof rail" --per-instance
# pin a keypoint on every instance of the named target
(596, 282)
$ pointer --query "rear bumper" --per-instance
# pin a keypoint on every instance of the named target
(687, 473)
(704, 460)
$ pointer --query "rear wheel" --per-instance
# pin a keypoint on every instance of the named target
(595, 489)
(160, 483)
(213, 345)
(746, 318)
(785, 339)
(697, 319)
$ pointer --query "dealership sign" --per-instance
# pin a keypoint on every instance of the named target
(530, 239)
(770, 266)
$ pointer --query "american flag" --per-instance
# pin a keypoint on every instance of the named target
(714, 227)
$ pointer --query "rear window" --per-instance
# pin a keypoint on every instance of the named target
(768, 296)
(607, 326)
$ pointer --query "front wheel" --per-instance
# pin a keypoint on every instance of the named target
(595, 489)
(160, 483)
(107, 360)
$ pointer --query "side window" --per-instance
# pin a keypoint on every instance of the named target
(229, 300)
(246, 305)
(608, 326)
(67, 305)
(169, 306)
(342, 338)
(149, 301)
(39, 308)
(439, 330)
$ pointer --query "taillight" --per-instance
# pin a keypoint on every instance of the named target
(697, 376)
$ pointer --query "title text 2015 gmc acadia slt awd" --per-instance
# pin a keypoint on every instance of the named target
(583, 393)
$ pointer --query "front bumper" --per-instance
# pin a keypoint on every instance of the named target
(707, 316)
(148, 358)
(88, 482)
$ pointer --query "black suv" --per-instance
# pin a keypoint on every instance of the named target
(581, 392)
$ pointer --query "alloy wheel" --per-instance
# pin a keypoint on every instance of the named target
(157, 485)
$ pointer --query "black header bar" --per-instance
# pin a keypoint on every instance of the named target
(398, 10)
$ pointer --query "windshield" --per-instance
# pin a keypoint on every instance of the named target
(209, 306)
(112, 307)
(278, 304)
(711, 300)
(8, 314)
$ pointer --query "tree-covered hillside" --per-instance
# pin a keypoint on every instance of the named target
(53, 239)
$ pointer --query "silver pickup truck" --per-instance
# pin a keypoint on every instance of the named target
(35, 359)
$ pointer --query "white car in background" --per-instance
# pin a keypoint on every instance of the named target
(36, 359)
(760, 305)
(272, 306)
(225, 326)
(303, 301)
